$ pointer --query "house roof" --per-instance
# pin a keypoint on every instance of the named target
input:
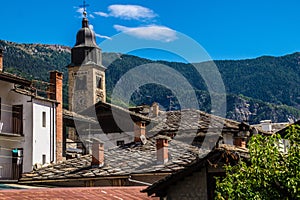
(4, 76)
(110, 116)
(133, 158)
(224, 154)
(191, 119)
(283, 132)
(275, 127)
(27, 92)
(104, 193)
(70, 117)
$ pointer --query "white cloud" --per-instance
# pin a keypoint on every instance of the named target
(103, 36)
(98, 35)
(91, 27)
(151, 32)
(102, 14)
(80, 11)
(128, 12)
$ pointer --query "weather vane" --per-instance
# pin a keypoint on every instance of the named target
(84, 7)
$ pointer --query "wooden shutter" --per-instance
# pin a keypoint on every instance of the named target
(17, 117)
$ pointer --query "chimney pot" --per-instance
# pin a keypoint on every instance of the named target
(162, 150)
(239, 141)
(139, 130)
(155, 109)
(97, 153)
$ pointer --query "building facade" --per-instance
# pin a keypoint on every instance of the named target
(28, 126)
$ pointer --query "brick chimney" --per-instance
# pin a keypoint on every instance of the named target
(139, 130)
(239, 141)
(56, 81)
(162, 150)
(155, 109)
(97, 153)
(1, 60)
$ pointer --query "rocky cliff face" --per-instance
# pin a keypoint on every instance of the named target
(253, 111)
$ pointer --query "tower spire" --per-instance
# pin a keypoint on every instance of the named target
(84, 6)
(85, 22)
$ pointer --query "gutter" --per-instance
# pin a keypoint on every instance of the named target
(140, 182)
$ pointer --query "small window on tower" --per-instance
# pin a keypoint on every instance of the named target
(99, 82)
(120, 142)
(44, 119)
(44, 159)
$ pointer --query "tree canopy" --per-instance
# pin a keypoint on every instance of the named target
(269, 174)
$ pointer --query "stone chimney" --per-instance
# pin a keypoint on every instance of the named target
(1, 60)
(162, 150)
(266, 125)
(56, 81)
(155, 109)
(139, 131)
(97, 153)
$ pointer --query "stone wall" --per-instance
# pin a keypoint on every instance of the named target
(191, 187)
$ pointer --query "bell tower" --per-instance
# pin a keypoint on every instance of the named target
(86, 72)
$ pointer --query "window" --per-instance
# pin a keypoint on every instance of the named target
(87, 56)
(120, 142)
(44, 119)
(17, 119)
(44, 159)
(99, 82)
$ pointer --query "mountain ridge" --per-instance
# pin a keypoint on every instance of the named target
(258, 89)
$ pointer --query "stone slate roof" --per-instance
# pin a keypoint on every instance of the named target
(103, 193)
(283, 132)
(276, 127)
(110, 116)
(133, 158)
(107, 107)
(188, 119)
(4, 76)
(224, 154)
(69, 115)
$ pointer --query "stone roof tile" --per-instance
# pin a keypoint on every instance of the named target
(129, 159)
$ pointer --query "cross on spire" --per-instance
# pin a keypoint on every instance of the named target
(84, 6)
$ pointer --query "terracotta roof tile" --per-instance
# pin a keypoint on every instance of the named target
(103, 193)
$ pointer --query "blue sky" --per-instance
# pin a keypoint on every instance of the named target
(232, 29)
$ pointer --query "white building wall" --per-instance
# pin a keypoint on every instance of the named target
(6, 106)
(35, 140)
(43, 136)
(8, 99)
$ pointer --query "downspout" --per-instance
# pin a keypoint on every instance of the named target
(50, 135)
